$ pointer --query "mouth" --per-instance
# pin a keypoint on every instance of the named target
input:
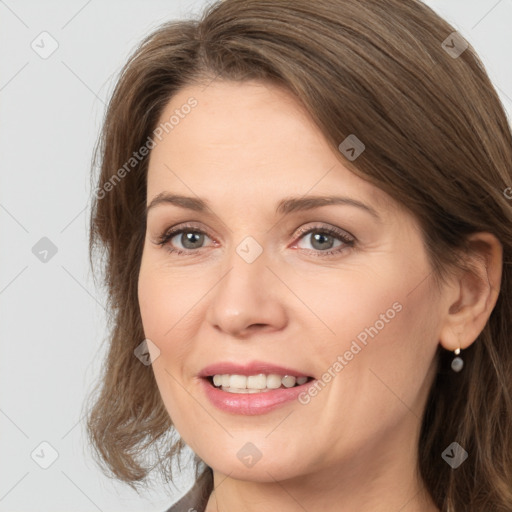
(256, 383)
(256, 387)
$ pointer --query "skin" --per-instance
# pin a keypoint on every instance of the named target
(245, 147)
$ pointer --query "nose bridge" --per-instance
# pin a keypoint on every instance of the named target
(244, 286)
(248, 293)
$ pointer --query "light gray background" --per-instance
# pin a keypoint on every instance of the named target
(52, 318)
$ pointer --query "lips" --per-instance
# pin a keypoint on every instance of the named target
(252, 368)
(255, 402)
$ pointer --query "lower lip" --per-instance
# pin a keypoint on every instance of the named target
(252, 403)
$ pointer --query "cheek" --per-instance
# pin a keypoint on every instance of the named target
(348, 305)
(388, 352)
(161, 307)
(377, 319)
(171, 309)
(152, 297)
(165, 298)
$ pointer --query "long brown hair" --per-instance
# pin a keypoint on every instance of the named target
(436, 139)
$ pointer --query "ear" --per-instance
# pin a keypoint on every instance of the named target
(473, 294)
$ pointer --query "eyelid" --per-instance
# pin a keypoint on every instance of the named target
(326, 228)
(296, 234)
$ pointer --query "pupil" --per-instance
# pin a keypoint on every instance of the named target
(189, 239)
(322, 238)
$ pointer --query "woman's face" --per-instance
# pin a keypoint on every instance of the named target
(264, 279)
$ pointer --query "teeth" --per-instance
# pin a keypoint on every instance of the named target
(256, 383)
(238, 381)
(274, 381)
(244, 390)
(288, 381)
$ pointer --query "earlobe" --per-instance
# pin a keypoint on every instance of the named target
(474, 294)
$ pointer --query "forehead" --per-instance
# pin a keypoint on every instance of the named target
(251, 138)
(257, 122)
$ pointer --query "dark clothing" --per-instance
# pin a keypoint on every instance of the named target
(196, 499)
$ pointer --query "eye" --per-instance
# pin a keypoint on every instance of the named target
(183, 239)
(324, 239)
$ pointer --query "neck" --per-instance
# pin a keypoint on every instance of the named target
(381, 475)
(314, 494)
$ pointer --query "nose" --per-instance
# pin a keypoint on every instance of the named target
(249, 298)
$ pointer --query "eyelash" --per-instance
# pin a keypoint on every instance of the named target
(348, 240)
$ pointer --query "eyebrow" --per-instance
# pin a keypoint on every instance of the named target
(285, 206)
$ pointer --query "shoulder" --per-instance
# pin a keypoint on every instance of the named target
(196, 499)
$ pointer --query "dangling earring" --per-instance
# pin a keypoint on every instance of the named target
(457, 362)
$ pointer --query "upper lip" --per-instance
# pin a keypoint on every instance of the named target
(252, 368)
